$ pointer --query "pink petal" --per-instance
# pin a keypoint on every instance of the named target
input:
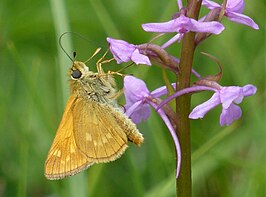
(249, 90)
(121, 50)
(184, 24)
(208, 27)
(210, 4)
(166, 27)
(138, 112)
(161, 91)
(172, 40)
(134, 89)
(230, 94)
(232, 113)
(130, 107)
(180, 4)
(138, 58)
(242, 19)
(202, 109)
(235, 6)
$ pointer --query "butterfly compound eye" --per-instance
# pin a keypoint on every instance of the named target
(76, 74)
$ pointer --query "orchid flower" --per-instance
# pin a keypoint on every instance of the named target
(233, 11)
(125, 52)
(182, 25)
(138, 102)
(228, 97)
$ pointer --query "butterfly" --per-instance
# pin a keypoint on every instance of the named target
(93, 128)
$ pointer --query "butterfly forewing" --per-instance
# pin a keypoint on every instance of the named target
(97, 133)
(65, 158)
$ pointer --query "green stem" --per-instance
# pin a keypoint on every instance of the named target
(184, 181)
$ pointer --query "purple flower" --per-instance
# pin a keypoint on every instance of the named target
(138, 98)
(228, 97)
(180, 4)
(233, 11)
(136, 92)
(125, 52)
(138, 102)
(182, 25)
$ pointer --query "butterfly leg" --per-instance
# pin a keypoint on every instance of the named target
(101, 61)
(95, 53)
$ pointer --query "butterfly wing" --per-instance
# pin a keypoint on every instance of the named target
(97, 133)
(65, 158)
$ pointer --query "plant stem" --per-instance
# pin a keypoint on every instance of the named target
(184, 181)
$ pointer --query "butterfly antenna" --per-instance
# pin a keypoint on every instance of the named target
(61, 46)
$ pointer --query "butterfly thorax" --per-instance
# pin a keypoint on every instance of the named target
(92, 86)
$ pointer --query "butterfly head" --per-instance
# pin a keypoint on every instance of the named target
(78, 70)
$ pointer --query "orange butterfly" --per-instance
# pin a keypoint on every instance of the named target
(93, 128)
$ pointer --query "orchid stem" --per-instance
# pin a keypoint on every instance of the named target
(184, 181)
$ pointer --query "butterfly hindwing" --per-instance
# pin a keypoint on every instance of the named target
(97, 133)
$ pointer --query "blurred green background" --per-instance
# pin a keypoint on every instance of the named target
(229, 161)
